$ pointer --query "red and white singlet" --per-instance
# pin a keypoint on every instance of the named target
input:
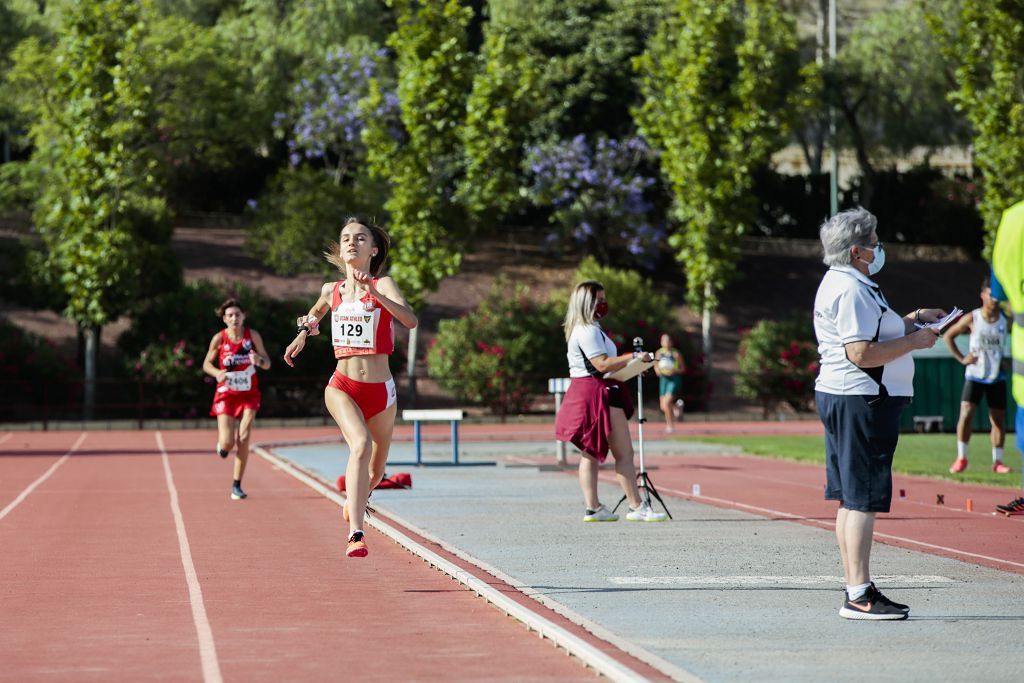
(240, 390)
(360, 328)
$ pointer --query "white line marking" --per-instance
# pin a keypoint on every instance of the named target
(46, 475)
(573, 644)
(767, 580)
(829, 525)
(207, 649)
(671, 670)
(5, 437)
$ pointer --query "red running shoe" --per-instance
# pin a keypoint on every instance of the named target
(1000, 468)
(1014, 507)
(959, 465)
(356, 545)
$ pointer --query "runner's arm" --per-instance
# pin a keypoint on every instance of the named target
(319, 310)
(208, 367)
(261, 355)
(391, 298)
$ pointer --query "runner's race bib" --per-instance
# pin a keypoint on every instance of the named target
(240, 380)
(353, 326)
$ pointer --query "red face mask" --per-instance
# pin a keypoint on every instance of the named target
(600, 310)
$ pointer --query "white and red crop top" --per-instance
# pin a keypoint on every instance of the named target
(360, 328)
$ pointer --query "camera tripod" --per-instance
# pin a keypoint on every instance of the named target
(645, 487)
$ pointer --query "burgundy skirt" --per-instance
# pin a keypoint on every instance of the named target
(584, 419)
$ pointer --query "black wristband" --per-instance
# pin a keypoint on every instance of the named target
(303, 328)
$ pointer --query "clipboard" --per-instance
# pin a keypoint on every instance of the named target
(631, 370)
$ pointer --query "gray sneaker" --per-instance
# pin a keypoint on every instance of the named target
(601, 514)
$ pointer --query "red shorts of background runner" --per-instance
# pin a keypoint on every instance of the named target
(234, 403)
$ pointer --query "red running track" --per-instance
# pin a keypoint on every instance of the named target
(96, 581)
(792, 491)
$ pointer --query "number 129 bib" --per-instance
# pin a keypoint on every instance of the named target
(353, 326)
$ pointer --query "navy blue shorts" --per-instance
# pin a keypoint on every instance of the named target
(860, 439)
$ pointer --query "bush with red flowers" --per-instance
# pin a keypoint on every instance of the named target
(500, 354)
(778, 363)
(33, 372)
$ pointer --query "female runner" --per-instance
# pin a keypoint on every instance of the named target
(361, 395)
(237, 398)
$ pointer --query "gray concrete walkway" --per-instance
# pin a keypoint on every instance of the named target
(721, 594)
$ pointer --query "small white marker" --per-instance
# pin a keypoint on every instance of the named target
(696, 489)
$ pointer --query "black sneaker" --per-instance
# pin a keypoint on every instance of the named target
(882, 598)
(221, 452)
(1014, 507)
(237, 493)
(872, 606)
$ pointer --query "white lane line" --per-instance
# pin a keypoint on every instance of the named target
(207, 649)
(830, 525)
(671, 670)
(571, 643)
(768, 580)
(46, 475)
(5, 437)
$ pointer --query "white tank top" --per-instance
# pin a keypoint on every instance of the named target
(987, 345)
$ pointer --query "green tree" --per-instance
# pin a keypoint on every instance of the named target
(581, 51)
(985, 39)
(200, 89)
(421, 164)
(889, 84)
(500, 106)
(716, 80)
(100, 214)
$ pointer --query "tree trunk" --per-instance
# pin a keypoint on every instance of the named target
(92, 342)
(705, 333)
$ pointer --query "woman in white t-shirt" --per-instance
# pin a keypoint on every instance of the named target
(594, 415)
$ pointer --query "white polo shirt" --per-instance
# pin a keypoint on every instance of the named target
(591, 341)
(849, 307)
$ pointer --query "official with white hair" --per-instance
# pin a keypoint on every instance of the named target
(865, 380)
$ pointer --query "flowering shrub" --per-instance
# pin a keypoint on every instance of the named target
(32, 371)
(305, 203)
(330, 111)
(778, 363)
(177, 326)
(597, 193)
(162, 362)
(501, 354)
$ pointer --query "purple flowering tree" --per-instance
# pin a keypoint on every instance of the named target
(330, 112)
(598, 194)
(326, 176)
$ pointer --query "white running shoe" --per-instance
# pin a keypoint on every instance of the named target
(645, 513)
(601, 514)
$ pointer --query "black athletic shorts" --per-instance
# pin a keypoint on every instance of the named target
(615, 397)
(994, 393)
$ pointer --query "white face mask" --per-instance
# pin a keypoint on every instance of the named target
(879, 261)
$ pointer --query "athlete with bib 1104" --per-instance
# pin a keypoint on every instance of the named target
(239, 351)
(361, 395)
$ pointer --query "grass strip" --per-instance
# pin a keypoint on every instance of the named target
(928, 455)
